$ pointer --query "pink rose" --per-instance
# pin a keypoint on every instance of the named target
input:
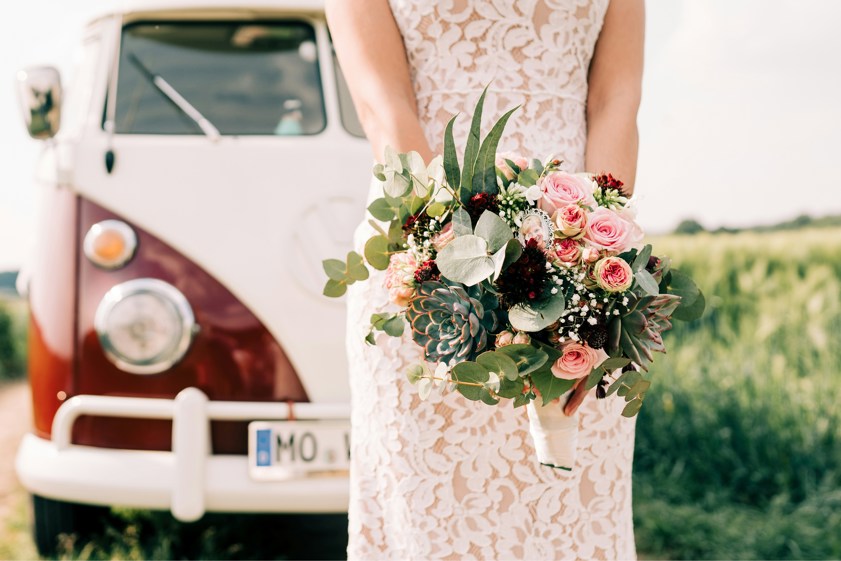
(571, 220)
(577, 360)
(568, 250)
(561, 189)
(613, 274)
(590, 255)
(442, 238)
(609, 231)
(400, 278)
(506, 170)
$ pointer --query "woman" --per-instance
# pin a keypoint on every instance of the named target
(448, 478)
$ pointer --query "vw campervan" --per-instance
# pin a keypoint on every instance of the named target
(203, 161)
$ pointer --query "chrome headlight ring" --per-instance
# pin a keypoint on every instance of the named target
(145, 326)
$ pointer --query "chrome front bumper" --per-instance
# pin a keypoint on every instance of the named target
(189, 480)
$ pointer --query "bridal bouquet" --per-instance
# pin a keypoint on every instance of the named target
(518, 280)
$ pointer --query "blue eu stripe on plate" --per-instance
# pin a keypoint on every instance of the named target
(264, 447)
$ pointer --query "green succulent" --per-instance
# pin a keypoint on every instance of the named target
(451, 321)
(639, 331)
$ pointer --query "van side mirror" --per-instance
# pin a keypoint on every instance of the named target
(39, 92)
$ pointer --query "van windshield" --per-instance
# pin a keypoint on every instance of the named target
(244, 78)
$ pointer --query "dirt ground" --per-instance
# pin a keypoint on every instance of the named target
(15, 419)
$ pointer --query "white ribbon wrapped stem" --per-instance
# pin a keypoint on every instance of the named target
(555, 435)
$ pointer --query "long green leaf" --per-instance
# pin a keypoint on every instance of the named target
(484, 172)
(450, 157)
(471, 149)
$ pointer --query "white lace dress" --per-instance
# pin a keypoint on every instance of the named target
(447, 477)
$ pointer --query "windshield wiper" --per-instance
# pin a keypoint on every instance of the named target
(180, 102)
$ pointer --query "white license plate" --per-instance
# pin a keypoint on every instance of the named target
(280, 449)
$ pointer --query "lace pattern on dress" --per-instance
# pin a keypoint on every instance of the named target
(447, 478)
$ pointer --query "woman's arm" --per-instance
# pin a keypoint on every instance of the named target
(613, 98)
(370, 50)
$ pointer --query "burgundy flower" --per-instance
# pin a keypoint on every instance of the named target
(607, 181)
(479, 203)
(427, 271)
(525, 281)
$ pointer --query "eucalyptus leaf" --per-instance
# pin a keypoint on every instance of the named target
(500, 363)
(522, 399)
(614, 363)
(381, 210)
(378, 172)
(639, 388)
(647, 282)
(511, 388)
(593, 378)
(414, 373)
(632, 408)
(498, 259)
(488, 398)
(462, 225)
(336, 269)
(395, 232)
(356, 269)
(394, 326)
(473, 373)
(537, 318)
(494, 230)
(419, 175)
(377, 252)
(549, 386)
(537, 165)
(465, 260)
(436, 209)
(527, 358)
(334, 288)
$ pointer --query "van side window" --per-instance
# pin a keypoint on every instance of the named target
(244, 78)
(350, 120)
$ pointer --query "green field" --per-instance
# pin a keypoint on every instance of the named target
(739, 443)
(738, 450)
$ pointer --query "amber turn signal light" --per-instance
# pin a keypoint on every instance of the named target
(110, 244)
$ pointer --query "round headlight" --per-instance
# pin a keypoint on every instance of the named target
(144, 325)
(110, 244)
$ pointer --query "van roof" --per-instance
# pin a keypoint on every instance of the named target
(163, 7)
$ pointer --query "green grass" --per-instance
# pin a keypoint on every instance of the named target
(738, 449)
(14, 317)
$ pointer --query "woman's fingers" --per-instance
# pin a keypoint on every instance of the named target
(579, 392)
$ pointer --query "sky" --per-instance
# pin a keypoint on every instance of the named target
(739, 124)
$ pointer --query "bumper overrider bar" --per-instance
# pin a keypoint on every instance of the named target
(189, 480)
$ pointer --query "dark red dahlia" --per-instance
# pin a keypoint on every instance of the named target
(526, 280)
(479, 203)
(428, 271)
(607, 181)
